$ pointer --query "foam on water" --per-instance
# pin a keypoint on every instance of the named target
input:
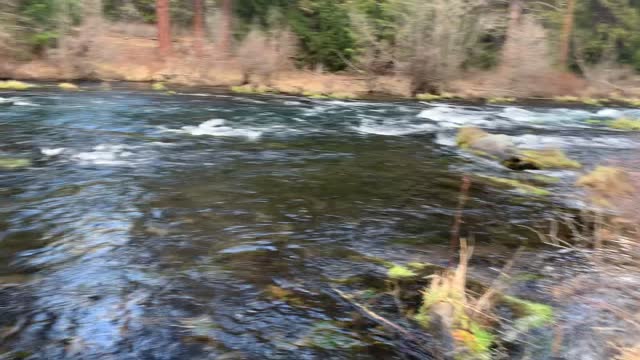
(17, 101)
(217, 127)
(454, 117)
(105, 154)
(52, 151)
(392, 128)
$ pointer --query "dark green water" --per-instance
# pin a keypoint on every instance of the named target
(146, 230)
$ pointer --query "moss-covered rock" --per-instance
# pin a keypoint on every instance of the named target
(469, 135)
(159, 86)
(14, 85)
(518, 185)
(12, 164)
(68, 86)
(625, 124)
(548, 159)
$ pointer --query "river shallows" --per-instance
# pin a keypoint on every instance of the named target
(206, 225)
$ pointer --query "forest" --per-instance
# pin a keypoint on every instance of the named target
(558, 47)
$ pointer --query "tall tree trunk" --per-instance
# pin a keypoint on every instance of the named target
(509, 50)
(164, 27)
(567, 29)
(227, 14)
(198, 27)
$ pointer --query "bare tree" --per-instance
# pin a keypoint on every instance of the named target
(198, 26)
(567, 29)
(227, 14)
(435, 37)
(164, 27)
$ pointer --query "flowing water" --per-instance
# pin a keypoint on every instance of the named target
(214, 226)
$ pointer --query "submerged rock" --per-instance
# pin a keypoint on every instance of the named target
(11, 164)
(548, 159)
(518, 185)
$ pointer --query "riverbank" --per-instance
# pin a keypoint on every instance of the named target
(124, 55)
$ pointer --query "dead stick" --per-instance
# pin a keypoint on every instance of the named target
(455, 230)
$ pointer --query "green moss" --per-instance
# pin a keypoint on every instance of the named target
(566, 99)
(14, 85)
(429, 97)
(594, 121)
(10, 164)
(342, 96)
(468, 135)
(68, 86)
(170, 92)
(159, 86)
(483, 340)
(591, 101)
(501, 100)
(522, 187)
(530, 314)
(398, 272)
(318, 96)
(625, 124)
(549, 159)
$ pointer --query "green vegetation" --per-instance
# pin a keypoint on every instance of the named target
(68, 86)
(398, 272)
(625, 124)
(14, 85)
(159, 86)
(251, 89)
(518, 185)
(501, 100)
(530, 315)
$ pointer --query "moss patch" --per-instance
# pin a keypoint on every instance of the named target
(158, 86)
(530, 314)
(566, 99)
(549, 159)
(625, 124)
(398, 272)
(68, 86)
(468, 135)
(518, 185)
(11, 164)
(501, 100)
(14, 85)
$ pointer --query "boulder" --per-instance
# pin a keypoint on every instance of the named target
(503, 148)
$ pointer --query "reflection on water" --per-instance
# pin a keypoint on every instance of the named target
(154, 226)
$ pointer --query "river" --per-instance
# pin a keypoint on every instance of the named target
(210, 225)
